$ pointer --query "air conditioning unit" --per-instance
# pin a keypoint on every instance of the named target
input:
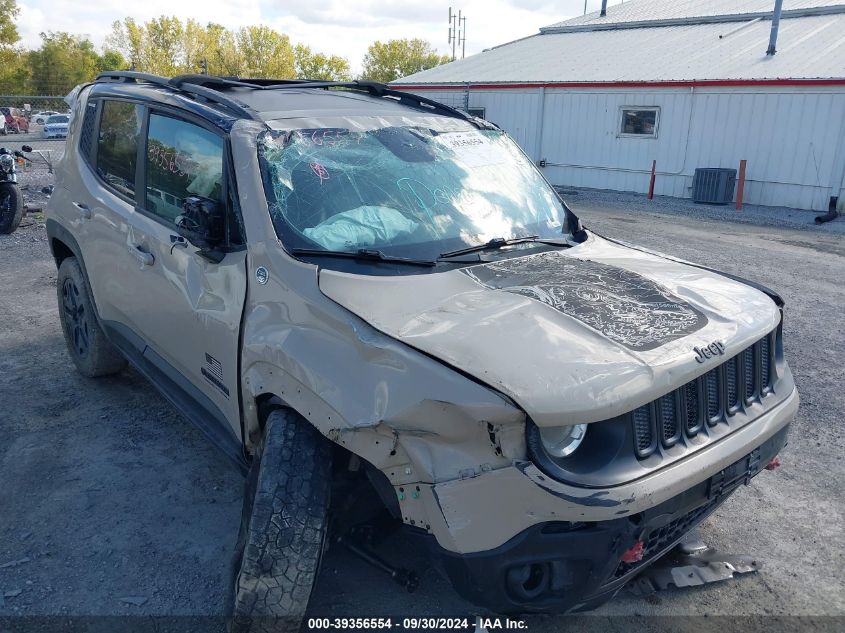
(713, 185)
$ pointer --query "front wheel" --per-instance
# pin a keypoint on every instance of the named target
(11, 207)
(283, 526)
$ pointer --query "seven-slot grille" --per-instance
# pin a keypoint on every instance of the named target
(707, 400)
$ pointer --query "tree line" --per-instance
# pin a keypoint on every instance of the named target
(168, 46)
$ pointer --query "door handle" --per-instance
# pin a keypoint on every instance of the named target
(84, 210)
(146, 259)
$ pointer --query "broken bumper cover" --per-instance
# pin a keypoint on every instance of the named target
(560, 567)
(483, 512)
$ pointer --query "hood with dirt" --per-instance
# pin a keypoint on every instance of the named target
(572, 336)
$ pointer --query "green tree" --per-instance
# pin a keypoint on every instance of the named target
(166, 46)
(221, 50)
(110, 60)
(264, 53)
(387, 61)
(8, 29)
(127, 38)
(14, 65)
(62, 62)
(164, 49)
(310, 65)
(14, 71)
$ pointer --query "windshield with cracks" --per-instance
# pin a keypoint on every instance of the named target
(404, 190)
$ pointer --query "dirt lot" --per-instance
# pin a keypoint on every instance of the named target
(112, 504)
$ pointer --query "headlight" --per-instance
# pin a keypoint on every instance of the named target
(7, 162)
(562, 441)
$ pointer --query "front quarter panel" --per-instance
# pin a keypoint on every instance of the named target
(412, 417)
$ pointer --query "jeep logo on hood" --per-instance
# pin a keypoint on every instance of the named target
(623, 305)
(716, 348)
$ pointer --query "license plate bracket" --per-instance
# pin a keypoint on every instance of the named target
(740, 472)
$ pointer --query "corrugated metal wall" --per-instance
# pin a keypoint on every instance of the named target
(789, 136)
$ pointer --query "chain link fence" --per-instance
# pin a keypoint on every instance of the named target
(34, 103)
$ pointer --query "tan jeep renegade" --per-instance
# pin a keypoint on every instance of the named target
(349, 286)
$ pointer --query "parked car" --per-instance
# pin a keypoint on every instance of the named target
(15, 120)
(41, 117)
(56, 126)
(360, 293)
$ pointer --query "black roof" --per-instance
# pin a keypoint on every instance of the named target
(230, 98)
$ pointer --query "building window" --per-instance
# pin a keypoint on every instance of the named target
(479, 112)
(639, 122)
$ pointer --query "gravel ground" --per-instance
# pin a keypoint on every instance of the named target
(112, 504)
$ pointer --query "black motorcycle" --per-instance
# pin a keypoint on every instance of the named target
(11, 201)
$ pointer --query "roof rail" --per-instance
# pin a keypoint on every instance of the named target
(208, 87)
(181, 84)
(373, 88)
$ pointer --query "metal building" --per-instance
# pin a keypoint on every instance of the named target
(685, 83)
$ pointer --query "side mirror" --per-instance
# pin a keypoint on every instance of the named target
(26, 148)
(202, 222)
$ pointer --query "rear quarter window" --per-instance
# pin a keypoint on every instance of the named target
(86, 134)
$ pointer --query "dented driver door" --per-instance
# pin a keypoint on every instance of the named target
(187, 306)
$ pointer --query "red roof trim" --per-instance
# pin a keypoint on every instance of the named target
(702, 83)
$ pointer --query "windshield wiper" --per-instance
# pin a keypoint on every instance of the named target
(366, 254)
(496, 242)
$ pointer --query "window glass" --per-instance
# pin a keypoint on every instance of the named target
(86, 135)
(410, 190)
(117, 145)
(182, 160)
(639, 122)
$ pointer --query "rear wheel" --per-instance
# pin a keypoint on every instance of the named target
(11, 208)
(283, 526)
(88, 347)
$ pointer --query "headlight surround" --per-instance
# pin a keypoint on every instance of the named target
(560, 442)
(7, 162)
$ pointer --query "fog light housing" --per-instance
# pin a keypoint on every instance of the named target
(562, 441)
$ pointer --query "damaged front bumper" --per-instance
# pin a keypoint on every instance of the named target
(567, 566)
(483, 512)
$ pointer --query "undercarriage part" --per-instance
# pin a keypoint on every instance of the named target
(690, 564)
(406, 578)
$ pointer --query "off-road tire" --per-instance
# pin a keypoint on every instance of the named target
(283, 526)
(11, 216)
(88, 347)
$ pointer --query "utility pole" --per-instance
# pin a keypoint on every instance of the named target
(205, 66)
(457, 33)
(463, 21)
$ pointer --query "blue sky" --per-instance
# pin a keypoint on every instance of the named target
(342, 27)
